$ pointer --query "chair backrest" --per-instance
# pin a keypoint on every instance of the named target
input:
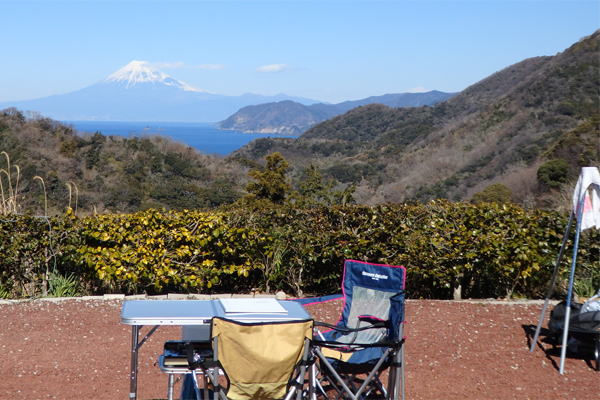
(259, 358)
(375, 290)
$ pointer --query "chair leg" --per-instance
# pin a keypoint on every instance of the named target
(312, 382)
(213, 376)
(373, 373)
(379, 386)
(196, 388)
(597, 353)
(317, 383)
(205, 379)
(396, 383)
(391, 380)
(402, 371)
(334, 373)
(170, 385)
(345, 385)
(301, 377)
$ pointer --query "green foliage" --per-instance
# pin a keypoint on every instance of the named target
(314, 190)
(270, 183)
(585, 287)
(124, 174)
(31, 248)
(587, 282)
(4, 292)
(92, 155)
(496, 193)
(489, 249)
(579, 147)
(498, 127)
(352, 172)
(311, 184)
(68, 147)
(553, 173)
(153, 251)
(63, 285)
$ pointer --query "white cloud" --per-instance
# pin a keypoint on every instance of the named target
(418, 89)
(272, 68)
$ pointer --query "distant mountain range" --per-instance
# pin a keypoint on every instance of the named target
(140, 92)
(289, 117)
(529, 127)
(525, 130)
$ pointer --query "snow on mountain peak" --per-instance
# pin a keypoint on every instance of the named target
(143, 72)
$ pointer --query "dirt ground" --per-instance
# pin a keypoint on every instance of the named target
(78, 349)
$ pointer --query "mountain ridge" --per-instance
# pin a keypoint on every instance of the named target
(108, 173)
(498, 130)
(155, 96)
(286, 117)
(137, 72)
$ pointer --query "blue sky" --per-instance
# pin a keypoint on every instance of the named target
(327, 50)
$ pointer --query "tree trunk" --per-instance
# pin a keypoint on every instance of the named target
(457, 288)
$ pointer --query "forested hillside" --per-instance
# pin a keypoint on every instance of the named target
(293, 118)
(283, 117)
(525, 130)
(519, 135)
(105, 173)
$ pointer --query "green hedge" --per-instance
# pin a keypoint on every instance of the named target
(489, 250)
(160, 251)
(32, 249)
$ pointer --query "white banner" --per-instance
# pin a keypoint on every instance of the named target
(591, 206)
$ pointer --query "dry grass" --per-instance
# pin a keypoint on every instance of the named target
(9, 200)
(45, 194)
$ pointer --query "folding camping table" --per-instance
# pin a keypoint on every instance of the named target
(155, 313)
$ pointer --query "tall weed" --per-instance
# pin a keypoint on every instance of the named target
(62, 285)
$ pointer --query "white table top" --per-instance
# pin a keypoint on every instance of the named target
(199, 312)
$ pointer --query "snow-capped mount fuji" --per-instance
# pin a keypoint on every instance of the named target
(140, 72)
(140, 92)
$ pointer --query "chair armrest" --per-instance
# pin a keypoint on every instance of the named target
(374, 321)
(332, 327)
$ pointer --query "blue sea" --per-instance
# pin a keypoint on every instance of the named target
(204, 137)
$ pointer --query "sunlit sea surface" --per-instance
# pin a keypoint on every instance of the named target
(204, 137)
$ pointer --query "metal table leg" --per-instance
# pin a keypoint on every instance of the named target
(135, 347)
(135, 329)
(170, 386)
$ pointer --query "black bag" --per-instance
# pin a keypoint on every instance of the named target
(586, 322)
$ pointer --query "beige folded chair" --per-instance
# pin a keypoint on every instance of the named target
(262, 361)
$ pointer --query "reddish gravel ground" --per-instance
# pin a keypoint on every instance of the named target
(77, 349)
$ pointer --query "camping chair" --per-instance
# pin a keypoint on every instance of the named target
(261, 361)
(368, 338)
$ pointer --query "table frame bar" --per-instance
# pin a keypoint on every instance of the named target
(135, 348)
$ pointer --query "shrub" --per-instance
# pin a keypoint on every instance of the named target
(154, 251)
(62, 285)
(31, 248)
(487, 249)
(270, 183)
(553, 173)
(496, 193)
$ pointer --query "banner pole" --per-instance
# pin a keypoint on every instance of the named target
(552, 283)
(563, 350)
